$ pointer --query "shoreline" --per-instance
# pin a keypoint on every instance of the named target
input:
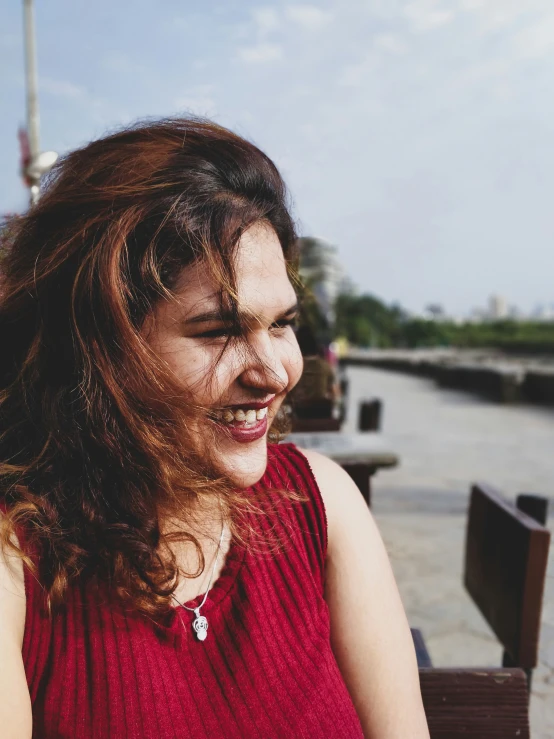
(499, 377)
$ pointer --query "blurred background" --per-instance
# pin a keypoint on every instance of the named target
(416, 137)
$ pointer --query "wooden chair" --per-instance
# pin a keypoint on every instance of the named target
(489, 703)
(314, 415)
(505, 569)
(308, 425)
(313, 408)
(506, 557)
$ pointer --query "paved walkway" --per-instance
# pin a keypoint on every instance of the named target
(446, 440)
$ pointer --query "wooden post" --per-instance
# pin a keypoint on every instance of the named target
(369, 418)
(535, 506)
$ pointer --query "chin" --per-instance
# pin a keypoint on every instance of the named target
(245, 467)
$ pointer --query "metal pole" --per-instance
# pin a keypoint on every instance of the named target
(32, 90)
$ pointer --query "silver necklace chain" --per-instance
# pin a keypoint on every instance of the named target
(200, 623)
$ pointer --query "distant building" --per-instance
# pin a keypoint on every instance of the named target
(478, 315)
(544, 313)
(515, 313)
(498, 308)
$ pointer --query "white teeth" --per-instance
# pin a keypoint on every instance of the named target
(250, 415)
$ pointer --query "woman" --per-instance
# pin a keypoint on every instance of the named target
(168, 569)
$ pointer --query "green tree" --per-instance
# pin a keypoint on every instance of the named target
(317, 267)
(366, 321)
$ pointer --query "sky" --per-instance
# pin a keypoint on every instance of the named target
(414, 135)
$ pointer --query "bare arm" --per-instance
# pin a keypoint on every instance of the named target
(369, 632)
(15, 702)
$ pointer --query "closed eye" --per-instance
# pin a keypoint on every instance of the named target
(216, 333)
(226, 330)
(284, 323)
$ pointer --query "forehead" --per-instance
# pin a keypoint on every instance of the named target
(259, 262)
(262, 282)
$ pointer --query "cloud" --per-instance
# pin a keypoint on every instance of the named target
(367, 65)
(199, 100)
(62, 88)
(529, 25)
(425, 16)
(489, 70)
(266, 20)
(309, 17)
(175, 24)
(499, 11)
(261, 53)
(390, 42)
(119, 62)
(536, 40)
(494, 15)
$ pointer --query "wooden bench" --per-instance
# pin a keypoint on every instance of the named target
(308, 425)
(505, 569)
(488, 703)
(361, 455)
(314, 415)
(506, 556)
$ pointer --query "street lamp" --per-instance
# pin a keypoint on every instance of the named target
(42, 164)
(34, 164)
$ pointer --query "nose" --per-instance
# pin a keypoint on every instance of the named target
(264, 369)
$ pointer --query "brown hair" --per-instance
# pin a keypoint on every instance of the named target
(93, 429)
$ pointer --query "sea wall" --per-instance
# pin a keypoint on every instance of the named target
(498, 378)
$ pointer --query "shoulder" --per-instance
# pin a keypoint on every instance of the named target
(15, 701)
(12, 591)
(377, 658)
(345, 517)
(346, 510)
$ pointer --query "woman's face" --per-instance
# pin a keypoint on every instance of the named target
(243, 387)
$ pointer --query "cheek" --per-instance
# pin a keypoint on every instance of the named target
(219, 372)
(196, 369)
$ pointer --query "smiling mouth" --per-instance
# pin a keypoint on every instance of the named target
(241, 416)
(243, 424)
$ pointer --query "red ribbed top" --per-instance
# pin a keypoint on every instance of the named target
(266, 669)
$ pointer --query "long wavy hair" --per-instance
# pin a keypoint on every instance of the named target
(94, 438)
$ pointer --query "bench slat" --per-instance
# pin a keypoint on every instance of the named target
(488, 703)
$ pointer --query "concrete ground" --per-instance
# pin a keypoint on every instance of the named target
(446, 440)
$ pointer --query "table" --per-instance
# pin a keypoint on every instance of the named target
(359, 454)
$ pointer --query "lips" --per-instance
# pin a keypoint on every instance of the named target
(245, 433)
(244, 423)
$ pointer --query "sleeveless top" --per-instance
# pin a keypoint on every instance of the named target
(97, 670)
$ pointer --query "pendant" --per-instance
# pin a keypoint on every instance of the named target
(200, 625)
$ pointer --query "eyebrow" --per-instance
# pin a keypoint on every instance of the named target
(227, 316)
